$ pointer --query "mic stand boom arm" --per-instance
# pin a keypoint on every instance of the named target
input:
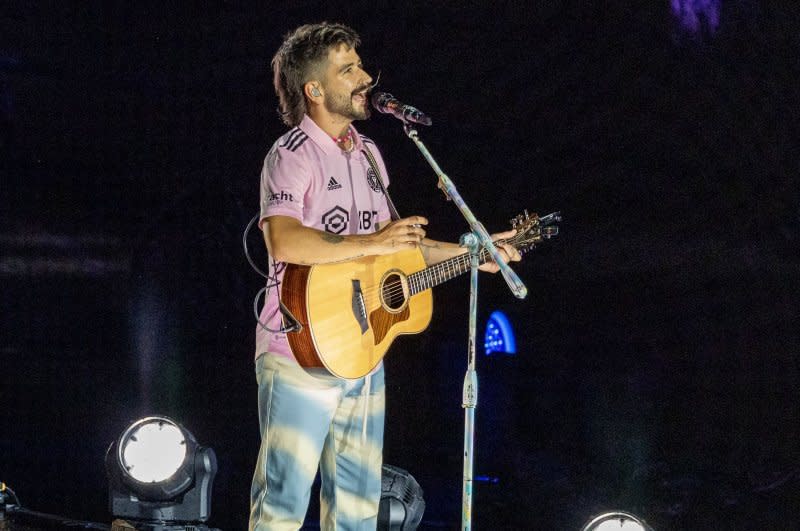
(484, 240)
(475, 240)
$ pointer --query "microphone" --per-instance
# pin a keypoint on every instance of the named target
(387, 104)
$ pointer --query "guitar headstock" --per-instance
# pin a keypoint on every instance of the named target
(532, 229)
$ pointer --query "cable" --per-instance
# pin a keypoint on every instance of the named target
(247, 250)
(272, 282)
(18, 509)
(61, 520)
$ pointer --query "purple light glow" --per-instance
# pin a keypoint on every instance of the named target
(697, 16)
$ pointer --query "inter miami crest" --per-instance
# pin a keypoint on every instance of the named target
(372, 179)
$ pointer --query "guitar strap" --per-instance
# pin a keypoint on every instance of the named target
(374, 165)
(395, 216)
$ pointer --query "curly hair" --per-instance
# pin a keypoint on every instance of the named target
(297, 62)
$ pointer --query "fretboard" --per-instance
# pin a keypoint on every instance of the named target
(444, 271)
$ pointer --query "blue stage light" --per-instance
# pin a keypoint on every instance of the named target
(499, 336)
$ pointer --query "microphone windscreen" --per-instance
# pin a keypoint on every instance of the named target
(381, 101)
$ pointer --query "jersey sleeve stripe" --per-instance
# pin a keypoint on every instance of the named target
(290, 136)
(297, 143)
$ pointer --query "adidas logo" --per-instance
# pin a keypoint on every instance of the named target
(333, 184)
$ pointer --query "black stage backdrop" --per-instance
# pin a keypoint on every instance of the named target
(657, 364)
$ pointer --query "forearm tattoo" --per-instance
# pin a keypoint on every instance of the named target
(332, 238)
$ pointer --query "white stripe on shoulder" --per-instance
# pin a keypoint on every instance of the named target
(297, 141)
(289, 136)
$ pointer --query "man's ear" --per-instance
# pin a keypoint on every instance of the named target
(313, 91)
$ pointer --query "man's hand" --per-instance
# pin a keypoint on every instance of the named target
(400, 235)
(507, 251)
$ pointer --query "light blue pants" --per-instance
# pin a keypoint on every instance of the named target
(316, 421)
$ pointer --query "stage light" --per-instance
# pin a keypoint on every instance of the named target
(159, 477)
(616, 521)
(499, 336)
(152, 451)
(402, 506)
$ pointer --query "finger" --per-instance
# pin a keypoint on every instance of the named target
(408, 224)
(418, 231)
(503, 235)
(490, 267)
(414, 220)
(410, 230)
(512, 252)
(411, 236)
(508, 253)
(403, 231)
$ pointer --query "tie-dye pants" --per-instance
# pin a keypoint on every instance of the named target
(317, 421)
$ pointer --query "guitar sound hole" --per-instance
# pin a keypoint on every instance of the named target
(392, 290)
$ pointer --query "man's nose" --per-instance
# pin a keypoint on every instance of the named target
(368, 78)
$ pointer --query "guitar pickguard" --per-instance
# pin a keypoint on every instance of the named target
(382, 321)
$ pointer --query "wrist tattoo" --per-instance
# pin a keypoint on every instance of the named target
(332, 238)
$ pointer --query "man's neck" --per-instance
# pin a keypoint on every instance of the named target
(336, 126)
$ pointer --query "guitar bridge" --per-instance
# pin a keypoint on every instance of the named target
(358, 306)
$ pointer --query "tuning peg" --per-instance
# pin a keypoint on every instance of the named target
(549, 232)
(550, 218)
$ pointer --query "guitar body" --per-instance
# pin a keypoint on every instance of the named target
(351, 312)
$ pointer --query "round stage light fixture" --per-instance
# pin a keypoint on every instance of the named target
(616, 521)
(152, 449)
(159, 478)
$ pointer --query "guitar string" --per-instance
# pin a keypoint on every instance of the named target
(435, 274)
(418, 280)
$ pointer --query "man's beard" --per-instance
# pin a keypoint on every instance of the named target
(343, 106)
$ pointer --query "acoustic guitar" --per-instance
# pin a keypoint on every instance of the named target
(347, 314)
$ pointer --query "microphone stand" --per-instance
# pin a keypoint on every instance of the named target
(474, 240)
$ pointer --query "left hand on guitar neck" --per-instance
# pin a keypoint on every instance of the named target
(507, 251)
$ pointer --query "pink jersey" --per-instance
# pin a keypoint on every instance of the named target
(308, 177)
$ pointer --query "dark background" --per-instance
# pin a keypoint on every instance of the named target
(657, 365)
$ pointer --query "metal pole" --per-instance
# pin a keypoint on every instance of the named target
(470, 392)
(475, 240)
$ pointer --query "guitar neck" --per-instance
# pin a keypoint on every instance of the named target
(444, 271)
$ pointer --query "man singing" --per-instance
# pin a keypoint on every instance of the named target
(320, 203)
